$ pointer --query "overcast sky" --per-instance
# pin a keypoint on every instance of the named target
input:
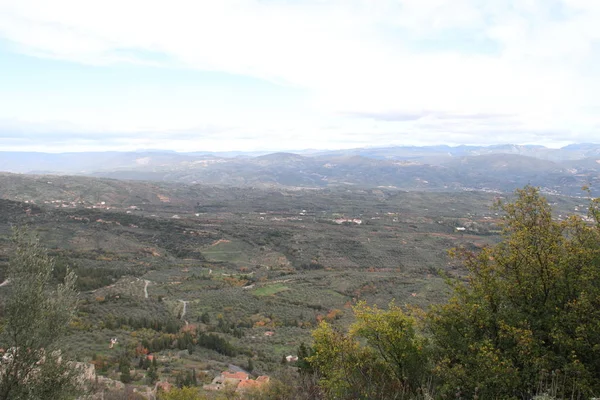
(295, 74)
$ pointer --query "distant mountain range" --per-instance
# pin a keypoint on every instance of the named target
(440, 168)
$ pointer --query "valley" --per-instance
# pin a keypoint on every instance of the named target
(208, 277)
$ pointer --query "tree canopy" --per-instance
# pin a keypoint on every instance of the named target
(529, 316)
(36, 314)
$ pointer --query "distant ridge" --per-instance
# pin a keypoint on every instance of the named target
(488, 168)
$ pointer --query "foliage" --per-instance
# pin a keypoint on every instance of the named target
(348, 370)
(152, 374)
(274, 390)
(529, 311)
(125, 370)
(35, 316)
(392, 334)
(303, 363)
(215, 342)
(391, 362)
(161, 325)
(205, 318)
(186, 378)
(185, 393)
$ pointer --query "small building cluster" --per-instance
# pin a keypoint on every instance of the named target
(340, 221)
(239, 380)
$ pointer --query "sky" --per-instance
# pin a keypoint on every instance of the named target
(206, 75)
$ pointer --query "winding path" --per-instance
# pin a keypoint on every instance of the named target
(185, 303)
(146, 288)
(6, 282)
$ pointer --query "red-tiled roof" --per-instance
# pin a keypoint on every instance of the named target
(248, 384)
(235, 375)
(260, 381)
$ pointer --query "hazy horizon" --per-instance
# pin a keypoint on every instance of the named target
(295, 151)
(251, 75)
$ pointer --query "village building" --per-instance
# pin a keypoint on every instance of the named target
(252, 384)
(240, 381)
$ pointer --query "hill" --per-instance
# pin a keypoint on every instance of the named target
(436, 168)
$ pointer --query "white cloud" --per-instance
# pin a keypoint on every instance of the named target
(535, 60)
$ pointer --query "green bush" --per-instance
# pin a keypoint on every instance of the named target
(530, 309)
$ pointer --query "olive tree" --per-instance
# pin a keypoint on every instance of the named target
(35, 315)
